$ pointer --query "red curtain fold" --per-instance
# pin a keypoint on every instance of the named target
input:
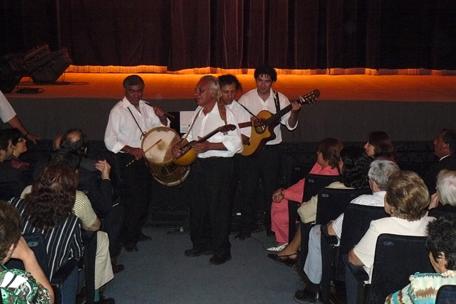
(293, 34)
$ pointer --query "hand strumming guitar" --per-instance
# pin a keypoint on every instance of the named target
(177, 149)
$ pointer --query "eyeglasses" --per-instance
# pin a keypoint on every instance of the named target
(21, 139)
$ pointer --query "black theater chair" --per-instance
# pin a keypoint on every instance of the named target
(446, 295)
(314, 183)
(357, 219)
(331, 203)
(396, 258)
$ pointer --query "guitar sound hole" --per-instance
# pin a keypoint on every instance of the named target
(259, 129)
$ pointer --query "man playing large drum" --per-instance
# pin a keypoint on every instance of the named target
(128, 121)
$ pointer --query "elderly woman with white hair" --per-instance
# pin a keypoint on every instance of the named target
(379, 174)
(444, 200)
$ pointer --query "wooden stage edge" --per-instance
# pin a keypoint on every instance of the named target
(402, 88)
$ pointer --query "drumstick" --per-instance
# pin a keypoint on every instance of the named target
(156, 143)
(145, 151)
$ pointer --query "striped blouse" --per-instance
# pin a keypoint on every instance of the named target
(63, 241)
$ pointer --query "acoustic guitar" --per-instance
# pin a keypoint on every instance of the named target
(189, 154)
(263, 130)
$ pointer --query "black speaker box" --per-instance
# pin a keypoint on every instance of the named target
(56, 64)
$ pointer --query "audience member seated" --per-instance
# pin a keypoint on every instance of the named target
(328, 156)
(379, 173)
(441, 244)
(95, 182)
(48, 210)
(18, 286)
(444, 149)
(354, 166)
(82, 209)
(379, 146)
(444, 200)
(19, 147)
(406, 201)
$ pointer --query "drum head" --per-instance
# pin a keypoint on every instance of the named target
(157, 144)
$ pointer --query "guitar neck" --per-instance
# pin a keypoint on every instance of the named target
(245, 124)
(209, 135)
(274, 119)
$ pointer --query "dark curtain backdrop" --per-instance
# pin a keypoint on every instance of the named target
(301, 34)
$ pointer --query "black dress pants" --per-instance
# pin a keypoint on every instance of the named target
(210, 206)
(135, 184)
(265, 166)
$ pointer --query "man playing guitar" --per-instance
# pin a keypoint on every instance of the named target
(210, 205)
(265, 163)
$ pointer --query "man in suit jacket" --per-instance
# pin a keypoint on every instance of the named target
(444, 149)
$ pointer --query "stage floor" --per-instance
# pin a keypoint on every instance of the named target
(409, 108)
(401, 88)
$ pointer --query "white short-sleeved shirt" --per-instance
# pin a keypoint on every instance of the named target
(365, 249)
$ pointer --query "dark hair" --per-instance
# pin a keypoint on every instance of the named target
(330, 149)
(14, 135)
(383, 147)
(449, 137)
(356, 165)
(408, 195)
(52, 198)
(229, 79)
(265, 70)
(133, 80)
(10, 228)
(78, 147)
(441, 239)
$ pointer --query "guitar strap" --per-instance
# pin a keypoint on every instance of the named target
(277, 101)
(193, 123)
(222, 111)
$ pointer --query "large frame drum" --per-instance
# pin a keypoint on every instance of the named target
(157, 145)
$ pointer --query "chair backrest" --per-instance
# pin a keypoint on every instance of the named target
(357, 219)
(442, 211)
(314, 183)
(332, 202)
(446, 295)
(37, 243)
(396, 258)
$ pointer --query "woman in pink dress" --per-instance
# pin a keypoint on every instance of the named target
(328, 155)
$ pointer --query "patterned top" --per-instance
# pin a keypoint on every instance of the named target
(63, 241)
(423, 288)
(19, 287)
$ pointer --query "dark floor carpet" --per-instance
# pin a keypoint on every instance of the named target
(160, 273)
